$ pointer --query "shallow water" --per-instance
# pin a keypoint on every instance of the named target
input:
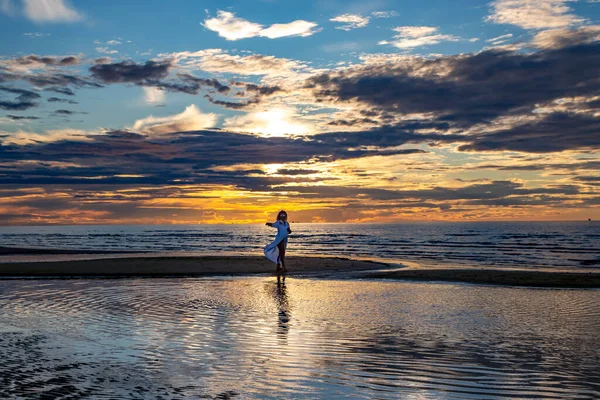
(480, 244)
(255, 338)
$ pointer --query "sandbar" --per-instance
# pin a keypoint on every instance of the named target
(516, 277)
(149, 266)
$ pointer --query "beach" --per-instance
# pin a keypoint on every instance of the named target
(149, 265)
(152, 266)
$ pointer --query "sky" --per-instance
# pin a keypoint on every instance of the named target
(157, 112)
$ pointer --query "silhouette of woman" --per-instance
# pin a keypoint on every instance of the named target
(275, 251)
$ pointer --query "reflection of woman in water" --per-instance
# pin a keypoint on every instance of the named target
(283, 306)
(275, 251)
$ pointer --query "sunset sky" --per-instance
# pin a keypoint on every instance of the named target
(337, 111)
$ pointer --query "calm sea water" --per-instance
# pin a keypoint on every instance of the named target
(252, 338)
(493, 244)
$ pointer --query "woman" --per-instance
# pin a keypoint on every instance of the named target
(275, 251)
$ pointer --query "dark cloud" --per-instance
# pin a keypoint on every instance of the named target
(25, 99)
(284, 171)
(262, 90)
(18, 117)
(61, 90)
(58, 80)
(68, 112)
(468, 88)
(584, 165)
(58, 100)
(231, 104)
(53, 61)
(130, 72)
(475, 89)
(587, 179)
(556, 132)
(480, 191)
(184, 157)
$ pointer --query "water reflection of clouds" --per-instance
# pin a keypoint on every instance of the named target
(359, 338)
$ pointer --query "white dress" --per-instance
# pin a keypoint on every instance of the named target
(271, 250)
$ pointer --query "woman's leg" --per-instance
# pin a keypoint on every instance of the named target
(281, 247)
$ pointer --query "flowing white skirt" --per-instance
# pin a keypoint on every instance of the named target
(272, 251)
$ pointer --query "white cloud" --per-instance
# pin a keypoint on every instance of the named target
(106, 50)
(554, 38)
(500, 38)
(534, 14)
(191, 119)
(351, 21)
(409, 37)
(230, 27)
(227, 25)
(384, 14)
(113, 42)
(7, 7)
(50, 11)
(36, 34)
(154, 96)
(295, 28)
(216, 60)
(277, 121)
(55, 135)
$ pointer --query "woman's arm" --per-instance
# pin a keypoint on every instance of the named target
(272, 224)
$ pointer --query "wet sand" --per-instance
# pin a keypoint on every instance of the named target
(151, 266)
(534, 278)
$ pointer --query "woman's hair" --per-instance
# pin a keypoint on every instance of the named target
(279, 215)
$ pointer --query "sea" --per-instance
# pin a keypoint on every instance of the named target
(564, 245)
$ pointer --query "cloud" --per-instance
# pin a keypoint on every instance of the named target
(65, 91)
(130, 72)
(106, 50)
(500, 38)
(556, 38)
(273, 122)
(230, 27)
(554, 133)
(36, 34)
(68, 112)
(227, 25)
(8, 8)
(58, 100)
(21, 138)
(295, 28)
(384, 14)
(19, 117)
(113, 42)
(216, 60)
(24, 100)
(191, 119)
(35, 62)
(50, 11)
(534, 14)
(154, 96)
(351, 21)
(409, 37)
(466, 88)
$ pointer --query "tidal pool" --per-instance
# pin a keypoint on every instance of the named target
(255, 337)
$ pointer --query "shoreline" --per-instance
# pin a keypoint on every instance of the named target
(128, 265)
(505, 277)
(180, 266)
